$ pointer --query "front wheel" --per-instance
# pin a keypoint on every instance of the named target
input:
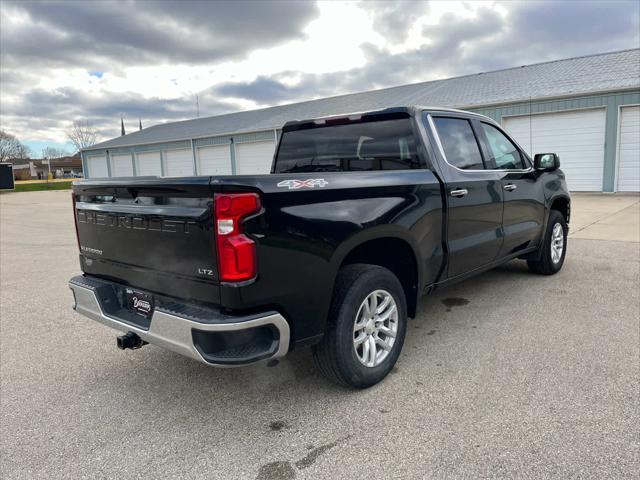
(554, 247)
(366, 327)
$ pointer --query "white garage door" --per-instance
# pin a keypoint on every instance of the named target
(254, 158)
(97, 166)
(214, 160)
(629, 150)
(121, 166)
(577, 136)
(148, 164)
(179, 163)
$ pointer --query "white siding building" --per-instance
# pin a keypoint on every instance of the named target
(586, 109)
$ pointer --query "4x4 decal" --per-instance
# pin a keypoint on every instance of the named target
(310, 183)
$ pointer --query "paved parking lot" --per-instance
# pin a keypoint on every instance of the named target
(505, 375)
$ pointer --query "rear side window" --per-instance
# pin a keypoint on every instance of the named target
(459, 143)
(505, 154)
(365, 146)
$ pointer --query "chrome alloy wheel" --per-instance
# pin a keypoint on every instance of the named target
(375, 328)
(557, 243)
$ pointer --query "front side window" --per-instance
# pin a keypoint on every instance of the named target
(363, 146)
(459, 143)
(505, 154)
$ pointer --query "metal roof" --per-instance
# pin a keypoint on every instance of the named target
(568, 77)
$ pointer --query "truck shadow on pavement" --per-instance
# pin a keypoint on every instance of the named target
(290, 400)
(454, 308)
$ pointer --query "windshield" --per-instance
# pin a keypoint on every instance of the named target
(373, 145)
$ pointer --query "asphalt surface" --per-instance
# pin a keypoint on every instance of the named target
(506, 375)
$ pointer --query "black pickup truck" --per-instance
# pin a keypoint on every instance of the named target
(361, 215)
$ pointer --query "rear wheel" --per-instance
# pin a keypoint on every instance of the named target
(554, 247)
(366, 327)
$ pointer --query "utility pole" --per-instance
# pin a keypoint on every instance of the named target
(197, 107)
(47, 153)
(49, 168)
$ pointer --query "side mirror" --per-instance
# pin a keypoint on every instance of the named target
(546, 162)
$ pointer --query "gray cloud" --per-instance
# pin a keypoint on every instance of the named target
(539, 31)
(265, 89)
(49, 109)
(107, 36)
(111, 36)
(382, 68)
(532, 32)
(393, 19)
(100, 34)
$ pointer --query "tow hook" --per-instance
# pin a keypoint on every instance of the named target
(130, 340)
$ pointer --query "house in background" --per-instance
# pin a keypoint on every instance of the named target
(586, 109)
(34, 169)
(21, 171)
(63, 167)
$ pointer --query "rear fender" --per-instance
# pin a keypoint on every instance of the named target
(374, 233)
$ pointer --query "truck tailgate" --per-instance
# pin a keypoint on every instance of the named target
(155, 235)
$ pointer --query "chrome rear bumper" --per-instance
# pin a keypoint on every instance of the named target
(187, 334)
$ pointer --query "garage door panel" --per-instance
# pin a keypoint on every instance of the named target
(629, 150)
(97, 166)
(627, 129)
(584, 134)
(579, 128)
(214, 160)
(148, 164)
(179, 163)
(121, 166)
(254, 158)
(577, 137)
(627, 172)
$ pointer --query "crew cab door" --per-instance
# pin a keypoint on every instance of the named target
(523, 217)
(474, 194)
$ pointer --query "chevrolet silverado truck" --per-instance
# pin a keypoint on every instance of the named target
(361, 215)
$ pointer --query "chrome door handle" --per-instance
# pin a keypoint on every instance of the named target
(510, 187)
(459, 193)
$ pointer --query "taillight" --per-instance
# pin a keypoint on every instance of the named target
(75, 217)
(236, 252)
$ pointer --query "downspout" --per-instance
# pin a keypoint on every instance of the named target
(195, 161)
(233, 156)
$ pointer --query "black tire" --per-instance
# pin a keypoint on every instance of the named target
(335, 356)
(545, 265)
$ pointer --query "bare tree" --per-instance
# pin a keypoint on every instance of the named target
(11, 148)
(82, 134)
(51, 152)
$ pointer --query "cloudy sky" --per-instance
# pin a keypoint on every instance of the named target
(98, 60)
